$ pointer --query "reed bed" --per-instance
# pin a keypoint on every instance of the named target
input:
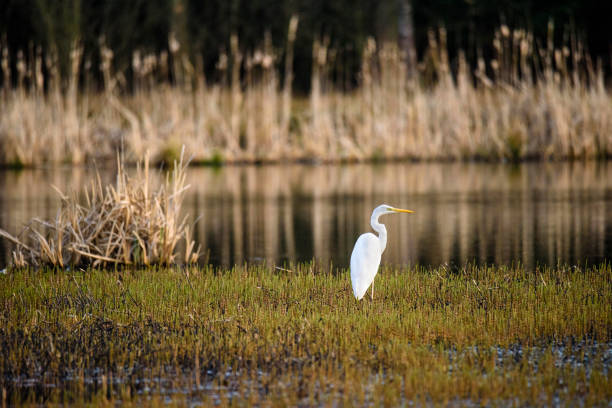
(296, 336)
(527, 102)
(132, 222)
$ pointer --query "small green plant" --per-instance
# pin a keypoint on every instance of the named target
(170, 154)
(378, 156)
(216, 159)
(514, 145)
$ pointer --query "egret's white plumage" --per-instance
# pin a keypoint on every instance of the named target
(364, 263)
(367, 252)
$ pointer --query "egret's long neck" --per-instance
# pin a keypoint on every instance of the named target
(382, 231)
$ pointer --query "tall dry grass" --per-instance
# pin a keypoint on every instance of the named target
(132, 222)
(529, 101)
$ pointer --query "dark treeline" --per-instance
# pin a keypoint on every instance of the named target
(203, 28)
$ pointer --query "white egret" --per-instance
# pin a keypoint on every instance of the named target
(368, 249)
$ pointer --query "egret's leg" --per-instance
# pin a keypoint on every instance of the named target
(372, 294)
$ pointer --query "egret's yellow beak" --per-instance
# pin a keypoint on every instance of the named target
(400, 210)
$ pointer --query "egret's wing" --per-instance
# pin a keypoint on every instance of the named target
(365, 260)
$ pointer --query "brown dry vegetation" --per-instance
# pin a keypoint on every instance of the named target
(133, 222)
(527, 102)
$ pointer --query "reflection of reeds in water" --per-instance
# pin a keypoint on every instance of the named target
(464, 212)
(526, 102)
(532, 214)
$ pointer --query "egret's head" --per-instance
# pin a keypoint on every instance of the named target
(387, 209)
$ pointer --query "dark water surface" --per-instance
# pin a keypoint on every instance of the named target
(534, 213)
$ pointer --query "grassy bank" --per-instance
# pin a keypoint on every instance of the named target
(528, 101)
(263, 335)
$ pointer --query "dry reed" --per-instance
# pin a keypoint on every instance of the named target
(128, 223)
(526, 102)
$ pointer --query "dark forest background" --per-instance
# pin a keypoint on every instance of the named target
(203, 28)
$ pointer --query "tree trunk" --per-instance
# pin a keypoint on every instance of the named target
(406, 37)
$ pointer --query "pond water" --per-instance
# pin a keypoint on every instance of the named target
(533, 213)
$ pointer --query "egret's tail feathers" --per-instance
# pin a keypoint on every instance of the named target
(359, 292)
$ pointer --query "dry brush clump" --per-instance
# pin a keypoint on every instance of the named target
(529, 101)
(129, 223)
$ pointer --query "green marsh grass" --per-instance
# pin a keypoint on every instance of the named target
(264, 335)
